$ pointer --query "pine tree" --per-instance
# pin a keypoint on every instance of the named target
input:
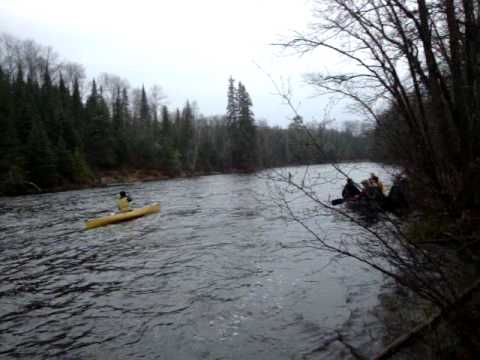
(21, 111)
(117, 116)
(232, 142)
(31, 107)
(167, 139)
(166, 124)
(232, 103)
(50, 107)
(41, 158)
(5, 107)
(99, 140)
(81, 170)
(124, 109)
(173, 162)
(177, 126)
(12, 160)
(186, 135)
(144, 140)
(64, 161)
(5, 97)
(119, 121)
(247, 142)
(66, 120)
(170, 156)
(77, 112)
(145, 117)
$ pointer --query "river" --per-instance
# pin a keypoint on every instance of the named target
(221, 273)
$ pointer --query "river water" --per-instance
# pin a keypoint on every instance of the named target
(221, 273)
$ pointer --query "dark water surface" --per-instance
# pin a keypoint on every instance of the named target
(220, 273)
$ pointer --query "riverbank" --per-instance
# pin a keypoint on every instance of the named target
(105, 178)
(117, 177)
(416, 328)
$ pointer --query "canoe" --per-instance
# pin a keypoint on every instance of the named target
(124, 216)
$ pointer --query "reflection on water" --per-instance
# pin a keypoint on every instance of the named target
(219, 274)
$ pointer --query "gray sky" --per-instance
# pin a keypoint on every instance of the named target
(188, 47)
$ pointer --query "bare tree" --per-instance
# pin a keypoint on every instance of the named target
(414, 67)
(157, 98)
(418, 57)
(71, 71)
(111, 86)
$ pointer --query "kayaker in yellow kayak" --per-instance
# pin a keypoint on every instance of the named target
(123, 202)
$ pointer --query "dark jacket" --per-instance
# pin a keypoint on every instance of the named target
(350, 190)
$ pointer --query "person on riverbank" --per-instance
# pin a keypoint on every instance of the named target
(374, 181)
(397, 197)
(350, 190)
(372, 191)
(123, 202)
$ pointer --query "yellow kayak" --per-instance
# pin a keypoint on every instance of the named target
(124, 216)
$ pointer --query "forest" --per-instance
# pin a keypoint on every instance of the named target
(60, 131)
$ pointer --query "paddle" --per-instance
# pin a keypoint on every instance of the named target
(338, 201)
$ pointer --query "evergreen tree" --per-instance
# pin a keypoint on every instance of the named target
(99, 139)
(14, 111)
(69, 135)
(117, 115)
(22, 106)
(119, 127)
(12, 160)
(145, 118)
(50, 107)
(64, 161)
(124, 110)
(170, 156)
(232, 146)
(232, 103)
(5, 106)
(5, 98)
(77, 111)
(32, 105)
(145, 137)
(172, 162)
(166, 124)
(186, 135)
(247, 143)
(41, 157)
(81, 170)
(177, 126)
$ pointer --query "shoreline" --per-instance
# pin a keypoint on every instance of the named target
(111, 179)
(127, 176)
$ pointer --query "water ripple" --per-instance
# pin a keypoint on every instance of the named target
(215, 275)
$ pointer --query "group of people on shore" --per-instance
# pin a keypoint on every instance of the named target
(372, 189)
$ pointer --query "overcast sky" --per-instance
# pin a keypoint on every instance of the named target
(189, 47)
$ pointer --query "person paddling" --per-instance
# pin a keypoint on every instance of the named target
(350, 190)
(123, 202)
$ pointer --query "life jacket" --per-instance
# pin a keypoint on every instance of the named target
(122, 204)
(381, 187)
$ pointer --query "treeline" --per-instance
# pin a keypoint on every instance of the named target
(57, 130)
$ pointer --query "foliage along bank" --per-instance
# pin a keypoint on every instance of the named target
(57, 131)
